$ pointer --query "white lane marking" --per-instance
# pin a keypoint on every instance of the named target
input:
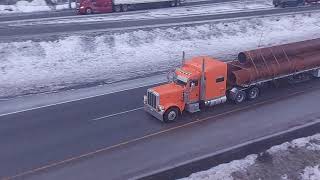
(74, 100)
(116, 114)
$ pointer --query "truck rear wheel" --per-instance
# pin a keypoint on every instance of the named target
(171, 115)
(178, 3)
(172, 3)
(253, 93)
(240, 97)
(124, 7)
(117, 8)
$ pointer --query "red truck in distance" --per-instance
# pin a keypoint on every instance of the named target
(108, 6)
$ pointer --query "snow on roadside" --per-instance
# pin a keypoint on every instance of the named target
(33, 6)
(285, 154)
(224, 171)
(74, 61)
(311, 173)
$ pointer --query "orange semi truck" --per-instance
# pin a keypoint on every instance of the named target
(206, 81)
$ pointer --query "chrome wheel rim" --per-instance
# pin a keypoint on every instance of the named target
(240, 97)
(172, 115)
(253, 94)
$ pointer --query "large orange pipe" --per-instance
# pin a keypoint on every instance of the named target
(281, 60)
(272, 52)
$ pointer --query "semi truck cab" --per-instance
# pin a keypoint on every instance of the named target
(200, 81)
(94, 6)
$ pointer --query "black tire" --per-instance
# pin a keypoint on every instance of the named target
(124, 7)
(117, 8)
(253, 93)
(89, 11)
(172, 3)
(171, 115)
(283, 5)
(178, 3)
(240, 97)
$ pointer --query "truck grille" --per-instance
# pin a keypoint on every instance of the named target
(152, 99)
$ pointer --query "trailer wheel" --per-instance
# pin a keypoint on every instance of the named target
(240, 97)
(283, 5)
(171, 115)
(88, 11)
(178, 3)
(253, 93)
(117, 8)
(124, 7)
(173, 3)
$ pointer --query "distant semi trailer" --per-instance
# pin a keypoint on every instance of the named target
(293, 3)
(108, 6)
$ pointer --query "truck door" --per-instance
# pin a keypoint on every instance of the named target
(94, 5)
(107, 6)
(98, 5)
(194, 90)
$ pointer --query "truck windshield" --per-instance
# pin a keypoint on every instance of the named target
(181, 81)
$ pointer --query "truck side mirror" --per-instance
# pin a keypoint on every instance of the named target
(192, 85)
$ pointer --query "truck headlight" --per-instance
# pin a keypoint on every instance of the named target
(81, 7)
(160, 108)
(145, 99)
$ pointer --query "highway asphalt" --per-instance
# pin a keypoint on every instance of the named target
(111, 137)
(9, 33)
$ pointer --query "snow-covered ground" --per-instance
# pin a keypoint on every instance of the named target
(298, 159)
(88, 60)
(33, 6)
(153, 14)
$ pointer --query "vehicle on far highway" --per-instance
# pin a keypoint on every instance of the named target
(108, 6)
(293, 3)
(206, 81)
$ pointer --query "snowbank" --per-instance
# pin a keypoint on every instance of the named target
(33, 6)
(223, 171)
(77, 61)
(311, 173)
(282, 163)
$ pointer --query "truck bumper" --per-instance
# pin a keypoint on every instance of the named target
(154, 112)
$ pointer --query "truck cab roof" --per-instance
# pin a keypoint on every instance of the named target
(192, 68)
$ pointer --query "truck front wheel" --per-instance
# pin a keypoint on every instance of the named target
(89, 11)
(171, 115)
